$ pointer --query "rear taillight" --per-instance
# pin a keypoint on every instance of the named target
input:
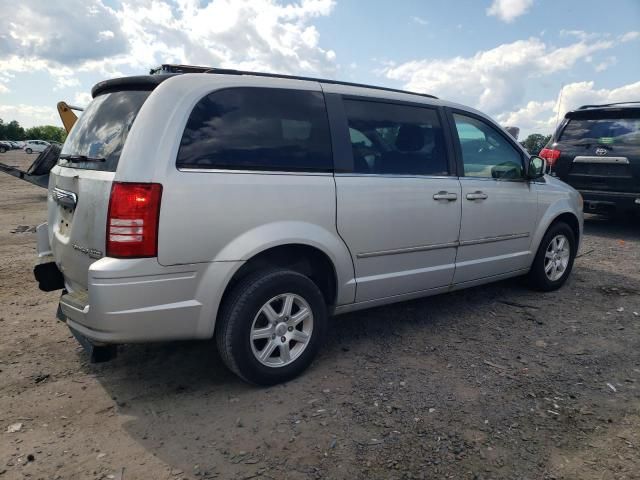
(132, 221)
(550, 155)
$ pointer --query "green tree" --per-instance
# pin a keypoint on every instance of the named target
(13, 131)
(50, 133)
(535, 142)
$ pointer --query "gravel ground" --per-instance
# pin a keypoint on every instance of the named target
(496, 382)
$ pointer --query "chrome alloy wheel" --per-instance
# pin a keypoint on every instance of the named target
(281, 330)
(556, 258)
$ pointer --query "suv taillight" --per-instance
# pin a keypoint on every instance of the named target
(550, 155)
(132, 221)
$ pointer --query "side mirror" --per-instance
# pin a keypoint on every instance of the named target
(537, 167)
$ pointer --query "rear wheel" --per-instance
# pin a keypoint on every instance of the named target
(28, 150)
(271, 326)
(3, 149)
(554, 259)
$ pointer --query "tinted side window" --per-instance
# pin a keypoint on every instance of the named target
(260, 129)
(485, 152)
(395, 139)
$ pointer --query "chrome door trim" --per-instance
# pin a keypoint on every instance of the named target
(64, 197)
(500, 238)
(608, 160)
(397, 251)
(424, 248)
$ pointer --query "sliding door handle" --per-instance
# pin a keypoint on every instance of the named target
(477, 196)
(451, 197)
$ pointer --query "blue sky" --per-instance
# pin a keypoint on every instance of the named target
(509, 58)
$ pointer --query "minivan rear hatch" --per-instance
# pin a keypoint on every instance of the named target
(80, 184)
(600, 150)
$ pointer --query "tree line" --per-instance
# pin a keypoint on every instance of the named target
(535, 142)
(13, 131)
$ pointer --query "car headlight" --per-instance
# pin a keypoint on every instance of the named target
(580, 201)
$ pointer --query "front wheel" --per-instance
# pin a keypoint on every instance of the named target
(554, 259)
(29, 151)
(3, 149)
(271, 326)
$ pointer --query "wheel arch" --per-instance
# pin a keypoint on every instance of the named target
(553, 216)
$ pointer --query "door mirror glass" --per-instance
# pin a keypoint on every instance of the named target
(537, 167)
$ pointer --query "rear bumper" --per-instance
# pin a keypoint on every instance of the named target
(595, 201)
(139, 300)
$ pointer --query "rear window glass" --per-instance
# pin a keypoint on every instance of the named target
(603, 130)
(100, 132)
(258, 129)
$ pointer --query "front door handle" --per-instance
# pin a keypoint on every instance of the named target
(451, 197)
(477, 196)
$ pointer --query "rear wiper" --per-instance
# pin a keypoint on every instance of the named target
(81, 158)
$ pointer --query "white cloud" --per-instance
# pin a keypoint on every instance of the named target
(509, 10)
(74, 36)
(608, 62)
(4, 88)
(541, 117)
(81, 99)
(492, 80)
(419, 20)
(29, 115)
(256, 35)
(629, 36)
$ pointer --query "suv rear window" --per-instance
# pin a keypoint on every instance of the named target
(604, 129)
(101, 131)
(258, 129)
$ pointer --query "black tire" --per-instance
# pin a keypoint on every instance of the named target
(45, 161)
(29, 151)
(236, 318)
(538, 279)
(3, 149)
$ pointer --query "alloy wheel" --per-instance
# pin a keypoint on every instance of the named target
(281, 330)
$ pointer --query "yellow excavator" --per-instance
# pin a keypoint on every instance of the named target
(66, 115)
(38, 172)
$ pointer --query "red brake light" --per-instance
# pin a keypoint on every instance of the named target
(132, 221)
(550, 155)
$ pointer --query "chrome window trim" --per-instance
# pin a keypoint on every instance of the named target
(394, 175)
(254, 172)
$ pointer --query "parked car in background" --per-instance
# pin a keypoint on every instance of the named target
(596, 150)
(5, 146)
(31, 146)
(271, 202)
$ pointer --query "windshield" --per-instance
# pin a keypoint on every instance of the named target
(604, 131)
(96, 140)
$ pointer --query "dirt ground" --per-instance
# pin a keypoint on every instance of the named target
(496, 382)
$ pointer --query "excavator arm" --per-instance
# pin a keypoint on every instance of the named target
(67, 116)
(38, 172)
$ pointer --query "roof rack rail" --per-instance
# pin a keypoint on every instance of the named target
(166, 68)
(584, 107)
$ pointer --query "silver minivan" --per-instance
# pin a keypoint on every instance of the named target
(250, 207)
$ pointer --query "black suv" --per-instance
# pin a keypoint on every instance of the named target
(596, 150)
